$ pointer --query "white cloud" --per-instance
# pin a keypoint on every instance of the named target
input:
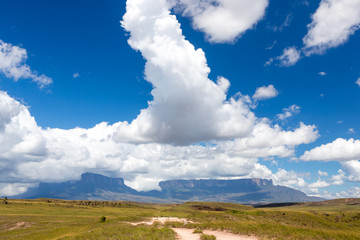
(12, 64)
(319, 184)
(267, 141)
(76, 75)
(339, 178)
(332, 24)
(289, 179)
(289, 57)
(288, 112)
(349, 193)
(223, 20)
(340, 150)
(351, 131)
(31, 154)
(285, 24)
(353, 169)
(264, 92)
(323, 174)
(358, 82)
(187, 107)
(298, 181)
(10, 189)
(322, 73)
(347, 152)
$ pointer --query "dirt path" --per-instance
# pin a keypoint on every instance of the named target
(228, 236)
(187, 234)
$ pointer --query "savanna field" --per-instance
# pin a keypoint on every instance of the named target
(58, 219)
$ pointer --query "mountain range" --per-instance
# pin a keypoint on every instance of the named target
(93, 186)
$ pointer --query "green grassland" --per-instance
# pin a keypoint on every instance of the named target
(58, 219)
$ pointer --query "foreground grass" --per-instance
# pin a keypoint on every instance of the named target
(56, 219)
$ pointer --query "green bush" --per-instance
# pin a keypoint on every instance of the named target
(102, 219)
(207, 237)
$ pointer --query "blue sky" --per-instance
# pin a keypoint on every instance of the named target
(87, 102)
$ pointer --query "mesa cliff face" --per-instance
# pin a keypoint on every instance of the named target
(98, 187)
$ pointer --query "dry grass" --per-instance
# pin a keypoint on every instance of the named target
(57, 219)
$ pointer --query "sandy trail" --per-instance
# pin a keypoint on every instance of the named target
(228, 236)
(187, 234)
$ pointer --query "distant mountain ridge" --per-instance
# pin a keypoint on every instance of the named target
(93, 186)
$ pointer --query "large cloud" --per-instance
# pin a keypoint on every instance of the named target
(12, 64)
(332, 24)
(187, 107)
(341, 150)
(223, 20)
(29, 154)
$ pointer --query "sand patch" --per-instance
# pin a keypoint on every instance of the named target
(163, 220)
(14, 226)
(187, 234)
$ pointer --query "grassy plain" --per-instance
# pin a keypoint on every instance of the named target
(58, 219)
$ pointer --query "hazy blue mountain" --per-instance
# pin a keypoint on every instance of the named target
(98, 187)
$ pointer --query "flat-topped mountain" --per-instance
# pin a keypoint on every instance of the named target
(98, 187)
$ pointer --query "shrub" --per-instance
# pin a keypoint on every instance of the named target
(102, 219)
(197, 230)
(207, 237)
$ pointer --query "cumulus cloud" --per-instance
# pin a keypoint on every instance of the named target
(187, 107)
(12, 65)
(289, 179)
(340, 150)
(301, 181)
(339, 178)
(347, 152)
(223, 20)
(265, 92)
(353, 169)
(332, 25)
(349, 193)
(319, 184)
(30, 154)
(288, 112)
